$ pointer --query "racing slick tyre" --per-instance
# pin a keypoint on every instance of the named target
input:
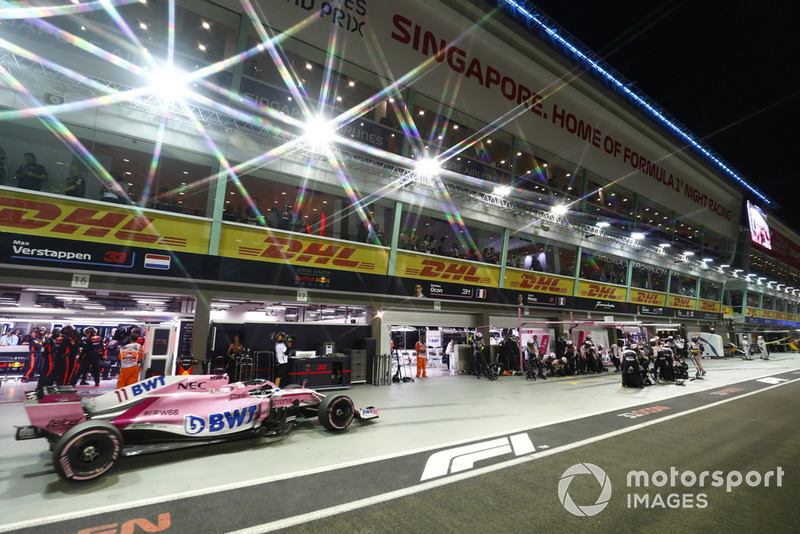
(336, 412)
(87, 451)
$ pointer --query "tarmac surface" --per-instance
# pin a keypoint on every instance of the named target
(455, 454)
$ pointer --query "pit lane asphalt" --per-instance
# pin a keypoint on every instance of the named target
(757, 433)
(278, 501)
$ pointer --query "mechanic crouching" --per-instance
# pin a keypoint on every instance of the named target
(631, 371)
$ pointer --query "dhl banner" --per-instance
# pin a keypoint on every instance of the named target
(539, 282)
(264, 244)
(727, 312)
(767, 314)
(682, 303)
(443, 269)
(593, 290)
(63, 218)
(752, 312)
(710, 306)
(781, 316)
(650, 298)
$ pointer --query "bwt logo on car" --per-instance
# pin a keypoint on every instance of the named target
(217, 422)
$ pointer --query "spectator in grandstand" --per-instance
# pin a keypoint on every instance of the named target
(30, 175)
(114, 190)
(8, 338)
(252, 215)
(76, 184)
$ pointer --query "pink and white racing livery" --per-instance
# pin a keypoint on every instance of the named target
(164, 412)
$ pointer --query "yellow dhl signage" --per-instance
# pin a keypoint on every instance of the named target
(727, 311)
(539, 282)
(682, 303)
(63, 218)
(295, 249)
(710, 306)
(752, 312)
(593, 290)
(649, 298)
(767, 314)
(446, 270)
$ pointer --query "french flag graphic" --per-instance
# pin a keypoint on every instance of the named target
(157, 261)
(480, 293)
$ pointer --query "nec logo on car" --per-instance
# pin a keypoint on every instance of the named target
(217, 422)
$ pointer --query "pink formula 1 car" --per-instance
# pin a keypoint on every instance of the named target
(87, 436)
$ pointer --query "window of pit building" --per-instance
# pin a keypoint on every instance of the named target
(649, 277)
(735, 300)
(683, 284)
(475, 148)
(609, 203)
(780, 305)
(602, 267)
(715, 246)
(204, 35)
(710, 290)
(768, 302)
(376, 120)
(550, 179)
(180, 183)
(656, 220)
(540, 254)
(753, 299)
(688, 234)
(429, 233)
(287, 203)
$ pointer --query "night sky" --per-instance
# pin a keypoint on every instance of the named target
(728, 71)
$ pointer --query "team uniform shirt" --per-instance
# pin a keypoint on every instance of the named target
(281, 353)
(131, 355)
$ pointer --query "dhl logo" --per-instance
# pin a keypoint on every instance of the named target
(681, 302)
(602, 292)
(286, 249)
(448, 271)
(30, 216)
(709, 306)
(544, 284)
(647, 298)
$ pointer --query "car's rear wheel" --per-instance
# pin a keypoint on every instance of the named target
(87, 450)
(336, 412)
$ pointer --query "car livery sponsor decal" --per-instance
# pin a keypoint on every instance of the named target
(139, 388)
(217, 422)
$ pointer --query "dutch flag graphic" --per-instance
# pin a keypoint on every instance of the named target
(157, 261)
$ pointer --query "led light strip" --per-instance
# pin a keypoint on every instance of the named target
(519, 9)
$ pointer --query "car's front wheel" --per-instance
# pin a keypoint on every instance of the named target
(336, 412)
(87, 450)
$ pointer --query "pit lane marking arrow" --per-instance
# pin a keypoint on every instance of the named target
(463, 458)
(772, 380)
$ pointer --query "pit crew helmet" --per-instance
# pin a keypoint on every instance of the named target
(69, 331)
